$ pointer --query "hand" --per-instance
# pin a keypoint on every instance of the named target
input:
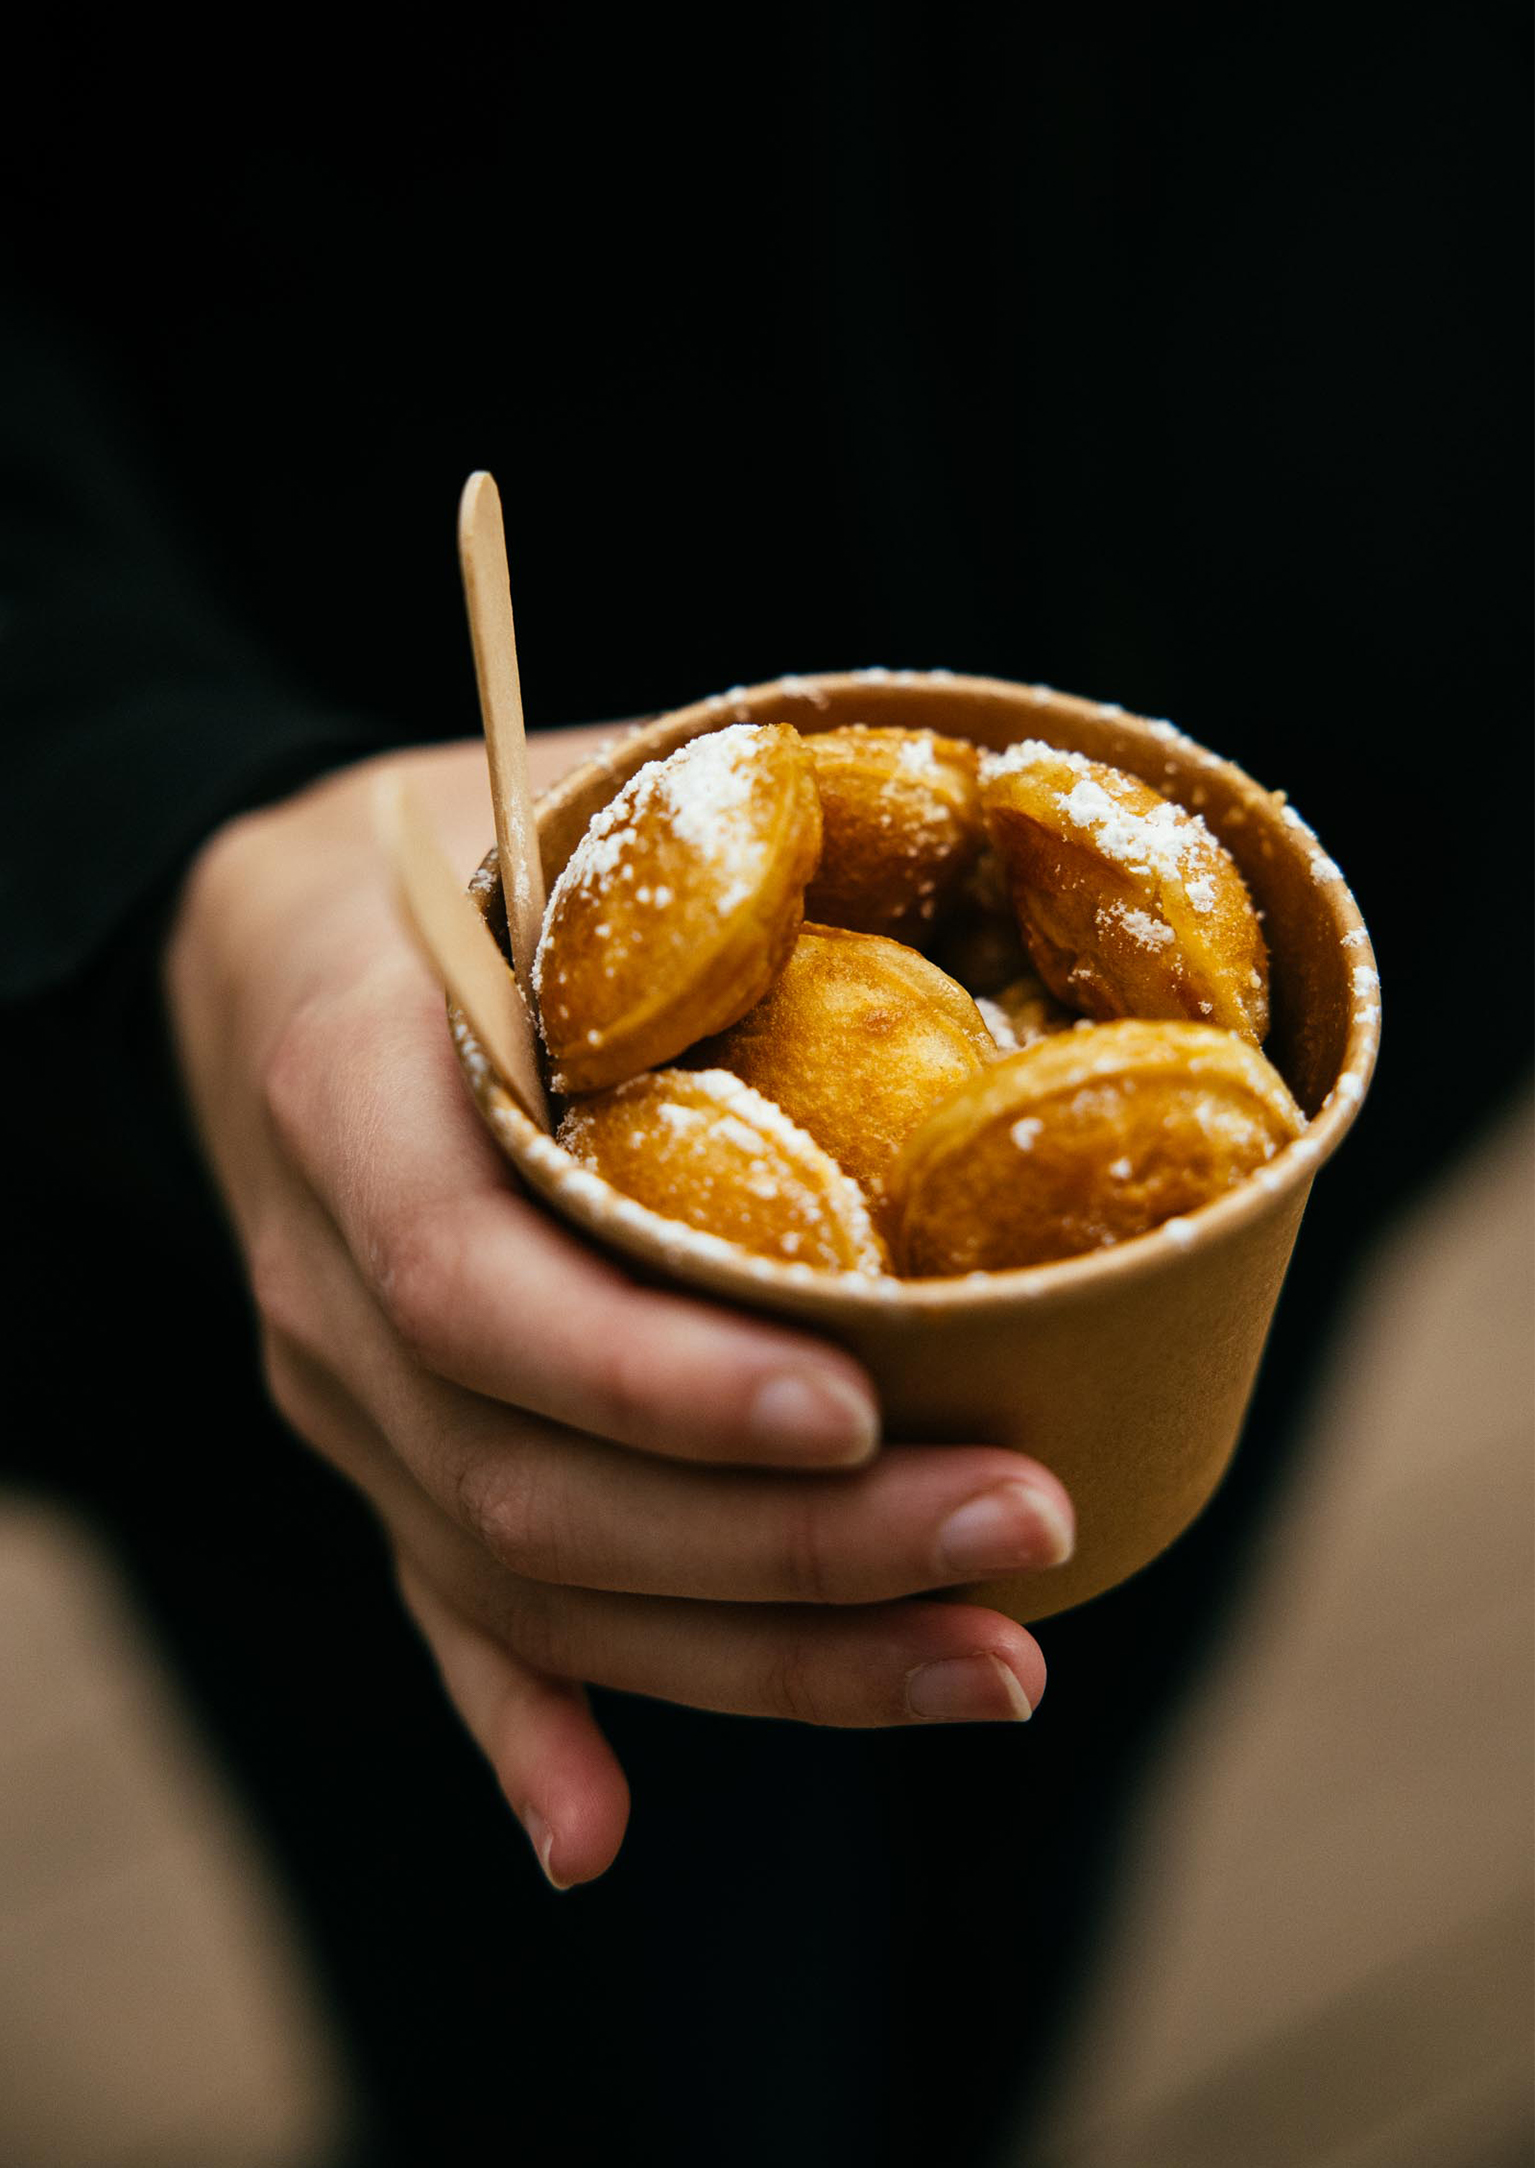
(583, 1480)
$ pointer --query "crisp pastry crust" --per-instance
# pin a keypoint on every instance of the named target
(1128, 904)
(702, 1147)
(857, 1041)
(1082, 1140)
(902, 821)
(679, 905)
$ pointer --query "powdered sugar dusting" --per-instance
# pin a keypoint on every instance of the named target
(470, 1052)
(773, 1160)
(1159, 842)
(705, 794)
(1147, 932)
(701, 796)
(730, 1129)
(1165, 842)
(917, 754)
(999, 1024)
(1030, 753)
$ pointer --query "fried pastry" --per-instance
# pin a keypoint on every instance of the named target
(1128, 905)
(679, 905)
(902, 817)
(702, 1147)
(1083, 1140)
(857, 1041)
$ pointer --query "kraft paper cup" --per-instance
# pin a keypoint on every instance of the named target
(1128, 1370)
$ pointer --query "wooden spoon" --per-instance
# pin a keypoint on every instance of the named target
(487, 593)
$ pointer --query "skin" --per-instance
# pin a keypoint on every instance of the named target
(583, 1481)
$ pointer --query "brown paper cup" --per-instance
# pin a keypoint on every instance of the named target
(1128, 1370)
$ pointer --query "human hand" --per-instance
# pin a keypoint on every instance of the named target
(583, 1480)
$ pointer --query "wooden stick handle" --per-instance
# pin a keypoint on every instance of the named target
(487, 594)
(458, 945)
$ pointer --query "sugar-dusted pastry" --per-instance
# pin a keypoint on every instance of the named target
(902, 817)
(700, 1146)
(1022, 1011)
(678, 906)
(1128, 905)
(1081, 1140)
(857, 1041)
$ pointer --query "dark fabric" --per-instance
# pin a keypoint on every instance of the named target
(1156, 353)
(138, 712)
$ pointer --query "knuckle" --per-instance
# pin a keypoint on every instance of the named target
(793, 1684)
(410, 1274)
(808, 1569)
(293, 1067)
(519, 1519)
(496, 1504)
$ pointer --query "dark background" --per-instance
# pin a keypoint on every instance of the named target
(1173, 356)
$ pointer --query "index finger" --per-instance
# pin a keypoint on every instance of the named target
(488, 1291)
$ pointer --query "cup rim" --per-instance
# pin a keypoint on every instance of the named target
(721, 1267)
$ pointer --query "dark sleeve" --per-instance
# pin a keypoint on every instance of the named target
(136, 716)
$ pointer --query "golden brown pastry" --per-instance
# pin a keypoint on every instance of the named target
(857, 1041)
(1128, 905)
(902, 823)
(679, 904)
(1082, 1140)
(702, 1147)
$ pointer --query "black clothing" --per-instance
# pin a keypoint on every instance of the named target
(1158, 355)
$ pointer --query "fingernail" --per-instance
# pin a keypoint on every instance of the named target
(815, 1417)
(541, 1837)
(1014, 1524)
(967, 1690)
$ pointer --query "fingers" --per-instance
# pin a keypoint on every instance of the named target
(882, 1664)
(561, 1778)
(488, 1292)
(559, 1506)
(873, 1665)
(879, 1665)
